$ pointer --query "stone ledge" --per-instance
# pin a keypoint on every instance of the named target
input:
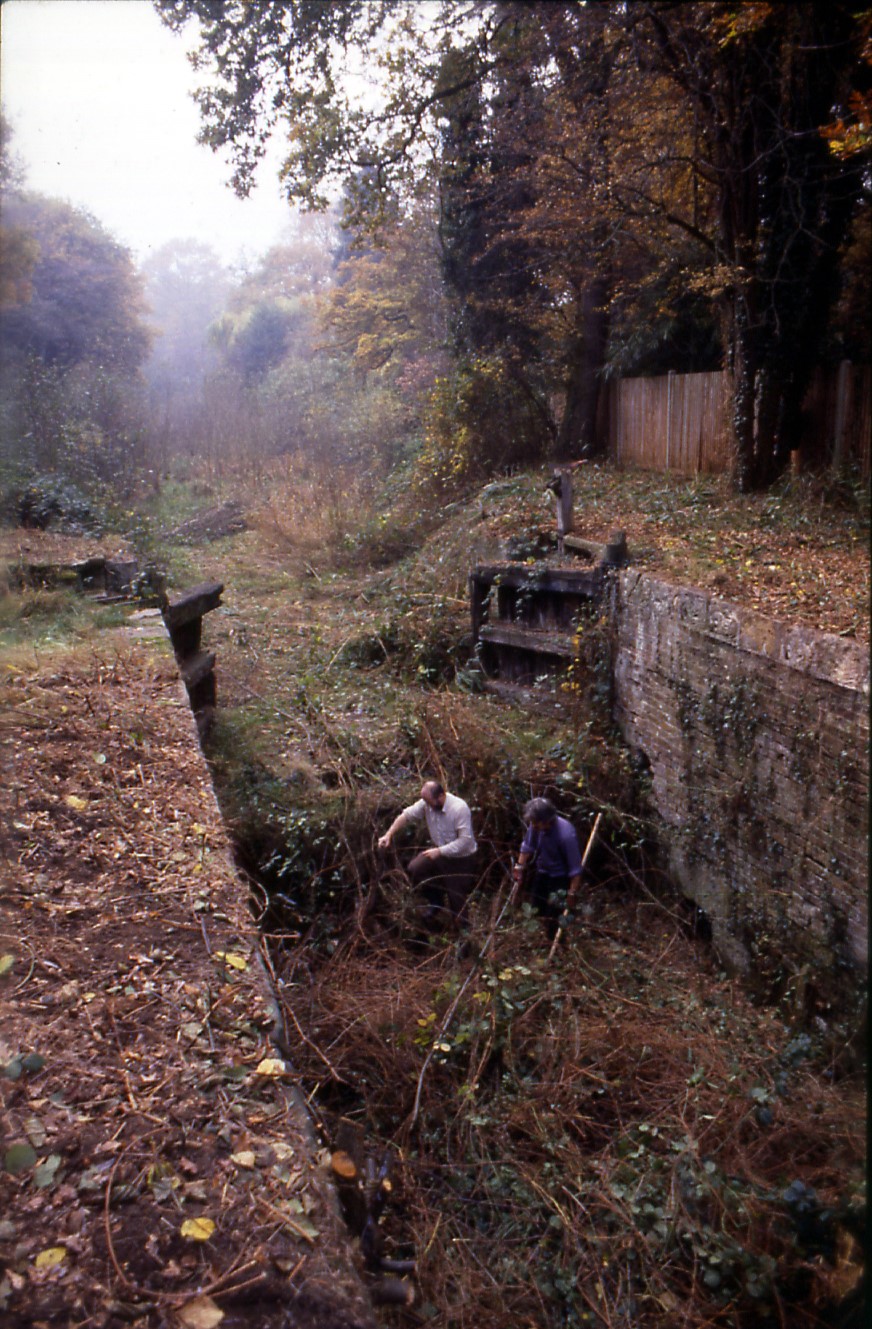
(821, 655)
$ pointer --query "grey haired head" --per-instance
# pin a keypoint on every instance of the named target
(540, 810)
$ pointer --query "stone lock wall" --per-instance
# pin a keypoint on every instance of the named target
(755, 735)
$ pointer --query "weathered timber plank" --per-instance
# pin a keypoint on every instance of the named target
(194, 604)
(530, 639)
(579, 545)
(568, 580)
(197, 667)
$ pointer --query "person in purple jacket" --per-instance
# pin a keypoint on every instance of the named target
(551, 846)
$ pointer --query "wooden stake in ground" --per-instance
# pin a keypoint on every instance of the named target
(560, 485)
(564, 918)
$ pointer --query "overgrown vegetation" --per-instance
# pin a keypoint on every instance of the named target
(616, 1137)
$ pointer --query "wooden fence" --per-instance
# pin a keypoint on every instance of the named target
(680, 422)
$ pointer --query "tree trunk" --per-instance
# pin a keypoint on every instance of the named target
(760, 397)
(577, 435)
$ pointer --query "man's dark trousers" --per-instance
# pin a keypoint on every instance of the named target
(446, 884)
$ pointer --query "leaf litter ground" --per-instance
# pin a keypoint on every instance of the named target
(158, 1165)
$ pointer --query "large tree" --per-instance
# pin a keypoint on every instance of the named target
(72, 341)
(18, 249)
(84, 299)
(763, 81)
(567, 136)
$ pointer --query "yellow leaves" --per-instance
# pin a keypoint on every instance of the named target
(75, 802)
(847, 139)
(743, 20)
(245, 1158)
(201, 1313)
(7, 963)
(232, 960)
(197, 1229)
(51, 1257)
(270, 1066)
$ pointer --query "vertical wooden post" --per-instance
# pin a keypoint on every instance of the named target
(670, 405)
(563, 494)
(843, 394)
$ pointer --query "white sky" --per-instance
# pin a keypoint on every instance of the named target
(97, 94)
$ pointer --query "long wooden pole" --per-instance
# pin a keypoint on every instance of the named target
(564, 918)
(449, 1014)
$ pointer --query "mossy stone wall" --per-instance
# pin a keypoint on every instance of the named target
(756, 735)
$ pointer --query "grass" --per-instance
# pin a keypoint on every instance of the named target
(336, 651)
(42, 618)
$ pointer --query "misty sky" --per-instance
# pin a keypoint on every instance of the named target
(97, 94)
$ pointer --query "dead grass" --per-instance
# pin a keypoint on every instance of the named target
(617, 1139)
(622, 1140)
(307, 510)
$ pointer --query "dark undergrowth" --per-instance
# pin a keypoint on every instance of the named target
(615, 1136)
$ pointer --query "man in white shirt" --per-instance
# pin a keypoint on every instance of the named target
(449, 870)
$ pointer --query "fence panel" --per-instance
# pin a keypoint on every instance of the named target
(680, 422)
(838, 415)
(677, 422)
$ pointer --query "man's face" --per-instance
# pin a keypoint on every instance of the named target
(436, 802)
(540, 826)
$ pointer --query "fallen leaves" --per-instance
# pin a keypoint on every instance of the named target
(232, 960)
(201, 1313)
(123, 1144)
(19, 1158)
(197, 1229)
(271, 1066)
(50, 1257)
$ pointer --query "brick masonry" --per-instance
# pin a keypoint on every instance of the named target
(757, 739)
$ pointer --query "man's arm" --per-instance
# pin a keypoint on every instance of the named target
(528, 849)
(518, 869)
(408, 814)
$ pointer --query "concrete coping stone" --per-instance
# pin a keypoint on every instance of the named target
(821, 655)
